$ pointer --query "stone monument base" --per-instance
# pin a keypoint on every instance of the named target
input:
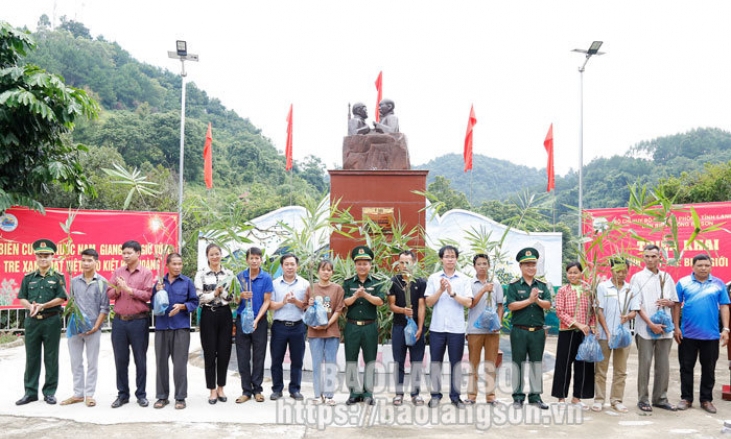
(376, 152)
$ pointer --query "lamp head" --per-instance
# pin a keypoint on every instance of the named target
(181, 47)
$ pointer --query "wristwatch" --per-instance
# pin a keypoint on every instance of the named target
(453, 295)
(726, 330)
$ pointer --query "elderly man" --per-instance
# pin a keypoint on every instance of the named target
(42, 293)
(656, 291)
(389, 121)
(357, 124)
(703, 296)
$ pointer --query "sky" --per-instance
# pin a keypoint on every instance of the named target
(666, 69)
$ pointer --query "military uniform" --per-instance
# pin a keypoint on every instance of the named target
(361, 330)
(527, 337)
(43, 330)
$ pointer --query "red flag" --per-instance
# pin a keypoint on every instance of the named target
(208, 159)
(288, 150)
(548, 144)
(468, 140)
(379, 87)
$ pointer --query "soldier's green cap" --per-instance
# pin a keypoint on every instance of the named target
(44, 246)
(362, 252)
(528, 254)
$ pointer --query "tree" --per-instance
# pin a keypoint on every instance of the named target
(441, 191)
(37, 112)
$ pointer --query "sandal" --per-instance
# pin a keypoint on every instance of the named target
(259, 397)
(619, 407)
(72, 400)
(597, 406)
(179, 404)
(330, 402)
(398, 400)
(417, 400)
(90, 402)
(645, 407)
(160, 403)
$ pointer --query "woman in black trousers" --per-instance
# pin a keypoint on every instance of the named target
(216, 322)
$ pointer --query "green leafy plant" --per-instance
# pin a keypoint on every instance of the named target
(136, 182)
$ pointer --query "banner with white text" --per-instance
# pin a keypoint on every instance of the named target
(102, 230)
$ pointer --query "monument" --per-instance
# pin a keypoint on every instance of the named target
(382, 147)
(377, 180)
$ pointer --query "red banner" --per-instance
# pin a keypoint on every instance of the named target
(717, 243)
(102, 230)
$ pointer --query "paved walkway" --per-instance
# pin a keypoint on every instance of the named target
(285, 418)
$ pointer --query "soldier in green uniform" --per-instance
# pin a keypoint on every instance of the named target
(42, 293)
(363, 296)
(527, 299)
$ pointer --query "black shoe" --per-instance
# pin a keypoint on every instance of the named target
(517, 405)
(26, 399)
(458, 403)
(275, 396)
(369, 400)
(297, 396)
(222, 398)
(50, 399)
(665, 405)
(540, 404)
(353, 400)
(119, 402)
(434, 402)
(143, 402)
(212, 401)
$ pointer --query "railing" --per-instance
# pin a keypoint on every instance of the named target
(12, 317)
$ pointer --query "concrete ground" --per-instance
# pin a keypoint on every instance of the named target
(284, 418)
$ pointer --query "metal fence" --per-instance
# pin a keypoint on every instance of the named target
(12, 319)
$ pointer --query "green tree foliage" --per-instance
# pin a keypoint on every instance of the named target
(444, 197)
(492, 179)
(711, 184)
(37, 112)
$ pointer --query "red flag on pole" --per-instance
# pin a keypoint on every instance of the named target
(548, 144)
(379, 87)
(288, 150)
(208, 159)
(468, 140)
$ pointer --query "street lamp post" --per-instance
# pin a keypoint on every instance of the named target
(181, 53)
(593, 50)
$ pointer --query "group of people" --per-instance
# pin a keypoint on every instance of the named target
(702, 298)
(654, 303)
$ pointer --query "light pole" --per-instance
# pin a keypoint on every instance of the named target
(181, 53)
(593, 50)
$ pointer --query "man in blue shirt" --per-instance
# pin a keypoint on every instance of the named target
(256, 285)
(702, 296)
(172, 332)
(288, 329)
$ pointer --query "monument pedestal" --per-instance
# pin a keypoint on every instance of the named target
(380, 195)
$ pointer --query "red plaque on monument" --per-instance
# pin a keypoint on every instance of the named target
(386, 196)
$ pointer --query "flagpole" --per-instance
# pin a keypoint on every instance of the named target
(470, 188)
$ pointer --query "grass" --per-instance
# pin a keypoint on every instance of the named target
(7, 337)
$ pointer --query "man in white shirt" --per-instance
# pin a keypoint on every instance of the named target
(448, 292)
(288, 329)
(656, 291)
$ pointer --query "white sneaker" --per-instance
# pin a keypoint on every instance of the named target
(597, 406)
